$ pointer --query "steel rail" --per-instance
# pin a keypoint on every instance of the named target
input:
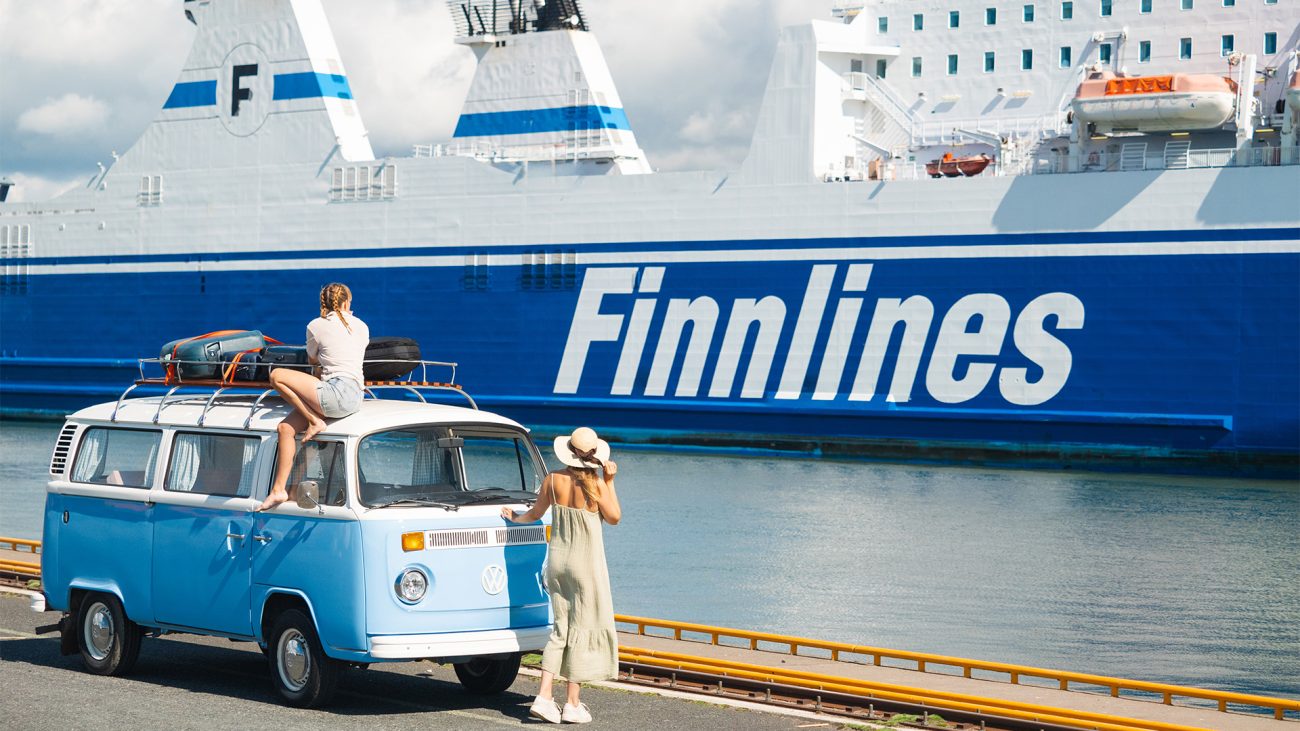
(19, 544)
(1167, 692)
(892, 691)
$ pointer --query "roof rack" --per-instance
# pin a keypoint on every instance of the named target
(171, 378)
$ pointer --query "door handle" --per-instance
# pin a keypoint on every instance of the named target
(240, 536)
(262, 538)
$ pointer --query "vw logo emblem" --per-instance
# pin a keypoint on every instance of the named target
(493, 579)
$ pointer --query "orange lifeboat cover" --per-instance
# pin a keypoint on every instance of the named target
(1139, 85)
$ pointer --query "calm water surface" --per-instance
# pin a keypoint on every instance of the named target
(1174, 579)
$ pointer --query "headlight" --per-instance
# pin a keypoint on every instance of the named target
(412, 585)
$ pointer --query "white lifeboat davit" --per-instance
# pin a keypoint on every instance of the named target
(1293, 92)
(1156, 103)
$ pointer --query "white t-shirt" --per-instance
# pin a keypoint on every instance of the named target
(338, 350)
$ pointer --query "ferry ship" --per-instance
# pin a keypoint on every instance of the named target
(1105, 270)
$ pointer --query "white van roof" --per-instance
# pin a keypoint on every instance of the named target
(231, 412)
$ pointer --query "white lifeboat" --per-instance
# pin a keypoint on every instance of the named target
(1156, 103)
(1293, 92)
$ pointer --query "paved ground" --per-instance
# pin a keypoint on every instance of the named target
(185, 682)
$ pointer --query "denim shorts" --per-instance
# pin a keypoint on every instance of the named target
(339, 397)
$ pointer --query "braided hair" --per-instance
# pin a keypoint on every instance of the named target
(333, 297)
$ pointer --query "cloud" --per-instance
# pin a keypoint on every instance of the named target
(69, 114)
(36, 188)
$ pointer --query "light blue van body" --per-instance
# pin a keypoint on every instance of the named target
(177, 540)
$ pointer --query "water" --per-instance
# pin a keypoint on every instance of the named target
(1173, 579)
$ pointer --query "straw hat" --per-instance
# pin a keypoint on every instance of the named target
(582, 441)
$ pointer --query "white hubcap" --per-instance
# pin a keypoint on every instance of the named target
(99, 631)
(293, 660)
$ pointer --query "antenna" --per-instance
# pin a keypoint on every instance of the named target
(472, 18)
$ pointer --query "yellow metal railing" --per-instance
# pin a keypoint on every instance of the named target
(925, 661)
(20, 545)
(902, 693)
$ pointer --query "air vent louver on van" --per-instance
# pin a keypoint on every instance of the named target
(469, 538)
(62, 446)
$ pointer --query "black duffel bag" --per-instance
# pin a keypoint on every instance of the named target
(389, 359)
(285, 356)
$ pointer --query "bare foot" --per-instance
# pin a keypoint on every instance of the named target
(316, 427)
(275, 498)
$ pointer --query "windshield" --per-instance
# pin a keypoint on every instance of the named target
(446, 466)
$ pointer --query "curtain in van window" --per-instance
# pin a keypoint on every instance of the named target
(91, 457)
(246, 471)
(426, 469)
(185, 463)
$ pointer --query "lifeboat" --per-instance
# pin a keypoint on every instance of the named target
(951, 166)
(1293, 92)
(1156, 103)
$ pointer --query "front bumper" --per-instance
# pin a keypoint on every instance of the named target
(458, 644)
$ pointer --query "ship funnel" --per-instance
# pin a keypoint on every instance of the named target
(542, 91)
(263, 85)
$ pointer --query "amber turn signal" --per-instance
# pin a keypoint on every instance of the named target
(413, 541)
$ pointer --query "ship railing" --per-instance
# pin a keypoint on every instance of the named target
(930, 133)
(859, 84)
(159, 372)
(579, 145)
(1096, 161)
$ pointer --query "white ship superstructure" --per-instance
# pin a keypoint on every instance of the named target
(1108, 265)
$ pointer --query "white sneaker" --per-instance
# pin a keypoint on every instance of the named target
(576, 714)
(545, 709)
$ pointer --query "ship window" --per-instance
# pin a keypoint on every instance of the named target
(918, 22)
(952, 64)
(916, 64)
(363, 182)
(150, 193)
(1026, 59)
(1103, 53)
(1229, 3)
(1065, 57)
(1270, 43)
(1144, 51)
(1029, 14)
(882, 24)
(855, 66)
(1185, 4)
(1144, 6)
(15, 249)
(954, 18)
(990, 16)
(1106, 8)
(1270, 2)
(880, 68)
(1067, 10)
(475, 273)
(1184, 48)
(988, 62)
(1225, 45)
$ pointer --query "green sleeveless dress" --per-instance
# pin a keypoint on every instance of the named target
(583, 645)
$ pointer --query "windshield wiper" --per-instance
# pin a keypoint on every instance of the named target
(422, 501)
(497, 495)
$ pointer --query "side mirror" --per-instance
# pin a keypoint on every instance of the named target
(307, 494)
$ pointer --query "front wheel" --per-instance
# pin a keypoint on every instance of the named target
(108, 641)
(301, 671)
(486, 675)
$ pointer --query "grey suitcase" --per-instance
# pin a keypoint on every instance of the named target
(199, 358)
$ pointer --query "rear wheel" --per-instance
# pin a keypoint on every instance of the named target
(301, 671)
(487, 675)
(108, 641)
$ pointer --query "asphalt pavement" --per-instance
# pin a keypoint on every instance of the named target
(190, 682)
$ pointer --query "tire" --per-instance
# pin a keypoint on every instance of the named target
(108, 641)
(486, 675)
(300, 670)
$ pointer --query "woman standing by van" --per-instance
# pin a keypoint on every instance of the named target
(583, 647)
(336, 341)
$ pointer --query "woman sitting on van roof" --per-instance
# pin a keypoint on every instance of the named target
(336, 341)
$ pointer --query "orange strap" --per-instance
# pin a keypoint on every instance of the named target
(171, 367)
(228, 375)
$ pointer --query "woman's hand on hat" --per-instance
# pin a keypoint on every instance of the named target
(611, 469)
(508, 514)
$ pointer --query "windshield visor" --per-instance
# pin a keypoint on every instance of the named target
(448, 466)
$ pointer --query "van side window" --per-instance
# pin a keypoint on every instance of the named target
(322, 462)
(212, 464)
(123, 457)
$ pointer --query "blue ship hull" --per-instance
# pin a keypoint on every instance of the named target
(1179, 357)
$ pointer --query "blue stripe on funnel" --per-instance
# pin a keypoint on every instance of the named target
(559, 119)
(309, 85)
(192, 94)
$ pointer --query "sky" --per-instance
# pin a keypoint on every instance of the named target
(80, 79)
